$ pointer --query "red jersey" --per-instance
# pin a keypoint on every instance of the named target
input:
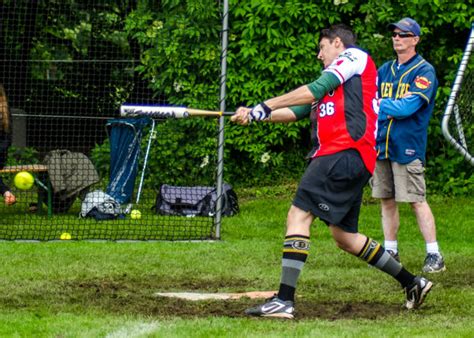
(344, 118)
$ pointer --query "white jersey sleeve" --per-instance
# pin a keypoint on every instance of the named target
(350, 62)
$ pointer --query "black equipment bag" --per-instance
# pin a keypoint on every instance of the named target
(195, 201)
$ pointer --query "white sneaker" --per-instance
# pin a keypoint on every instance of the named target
(434, 262)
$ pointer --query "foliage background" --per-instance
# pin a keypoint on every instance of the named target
(272, 49)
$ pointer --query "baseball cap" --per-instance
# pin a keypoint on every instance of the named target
(406, 25)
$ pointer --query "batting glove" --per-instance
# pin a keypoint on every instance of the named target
(260, 112)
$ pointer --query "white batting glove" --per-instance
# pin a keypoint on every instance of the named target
(260, 112)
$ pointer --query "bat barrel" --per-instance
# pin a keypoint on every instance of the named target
(156, 112)
(162, 112)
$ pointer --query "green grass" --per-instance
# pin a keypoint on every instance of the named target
(85, 289)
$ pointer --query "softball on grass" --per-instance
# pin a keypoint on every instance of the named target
(24, 180)
(136, 214)
(65, 236)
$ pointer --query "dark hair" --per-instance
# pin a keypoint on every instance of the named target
(340, 31)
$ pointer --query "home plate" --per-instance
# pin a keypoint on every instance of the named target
(205, 296)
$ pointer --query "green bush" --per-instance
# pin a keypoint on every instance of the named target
(23, 155)
(272, 49)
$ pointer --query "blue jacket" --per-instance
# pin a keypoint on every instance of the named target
(403, 122)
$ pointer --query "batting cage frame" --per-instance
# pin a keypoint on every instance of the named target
(452, 108)
(91, 170)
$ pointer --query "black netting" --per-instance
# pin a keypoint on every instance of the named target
(66, 67)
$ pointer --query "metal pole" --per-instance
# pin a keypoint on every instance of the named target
(452, 98)
(220, 145)
(150, 138)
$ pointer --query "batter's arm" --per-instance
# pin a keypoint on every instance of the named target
(306, 94)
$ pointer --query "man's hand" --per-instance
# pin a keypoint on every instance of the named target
(241, 116)
(245, 115)
(9, 198)
(260, 112)
(376, 105)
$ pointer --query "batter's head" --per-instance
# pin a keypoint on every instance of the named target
(340, 31)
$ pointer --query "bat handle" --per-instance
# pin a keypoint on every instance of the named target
(202, 112)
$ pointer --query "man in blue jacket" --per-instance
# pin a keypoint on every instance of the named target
(407, 91)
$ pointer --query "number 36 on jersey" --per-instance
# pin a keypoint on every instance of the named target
(326, 109)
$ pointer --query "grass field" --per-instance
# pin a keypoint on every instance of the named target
(86, 289)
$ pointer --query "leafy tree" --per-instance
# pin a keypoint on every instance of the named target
(174, 48)
(272, 49)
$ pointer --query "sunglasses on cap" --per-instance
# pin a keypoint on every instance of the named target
(402, 35)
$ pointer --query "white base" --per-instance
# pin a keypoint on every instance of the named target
(194, 296)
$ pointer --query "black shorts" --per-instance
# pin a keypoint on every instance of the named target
(331, 189)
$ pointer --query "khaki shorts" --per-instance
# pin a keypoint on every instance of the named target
(404, 182)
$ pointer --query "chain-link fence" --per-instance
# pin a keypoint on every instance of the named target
(66, 68)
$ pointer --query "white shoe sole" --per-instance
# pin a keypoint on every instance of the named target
(436, 271)
(279, 315)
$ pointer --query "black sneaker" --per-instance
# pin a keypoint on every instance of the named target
(394, 255)
(416, 292)
(274, 307)
(434, 262)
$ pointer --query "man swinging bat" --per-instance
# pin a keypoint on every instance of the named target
(340, 105)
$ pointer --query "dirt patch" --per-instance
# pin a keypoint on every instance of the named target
(130, 296)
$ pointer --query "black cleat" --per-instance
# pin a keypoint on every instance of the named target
(416, 292)
(274, 307)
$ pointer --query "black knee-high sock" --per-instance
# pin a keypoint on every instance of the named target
(295, 252)
(375, 254)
